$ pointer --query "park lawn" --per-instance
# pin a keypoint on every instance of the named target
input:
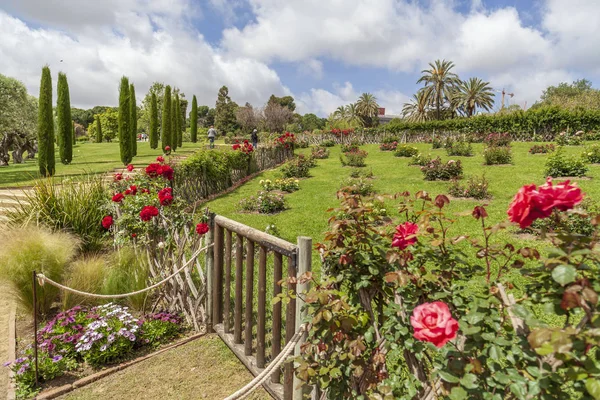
(88, 158)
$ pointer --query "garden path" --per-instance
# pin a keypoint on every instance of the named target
(6, 302)
(9, 199)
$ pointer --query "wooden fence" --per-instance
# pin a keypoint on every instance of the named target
(240, 308)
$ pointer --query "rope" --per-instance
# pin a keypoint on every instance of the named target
(276, 363)
(43, 279)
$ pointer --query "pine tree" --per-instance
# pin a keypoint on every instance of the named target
(194, 120)
(124, 124)
(174, 119)
(98, 130)
(153, 122)
(133, 120)
(165, 129)
(45, 128)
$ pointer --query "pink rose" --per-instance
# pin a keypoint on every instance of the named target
(405, 235)
(563, 196)
(433, 323)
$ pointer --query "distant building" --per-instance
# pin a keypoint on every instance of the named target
(384, 118)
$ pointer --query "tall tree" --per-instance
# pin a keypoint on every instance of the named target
(124, 122)
(153, 122)
(98, 130)
(74, 141)
(473, 94)
(367, 109)
(225, 112)
(276, 117)
(440, 83)
(133, 120)
(64, 122)
(46, 160)
(285, 101)
(166, 119)
(194, 120)
(174, 119)
(247, 118)
(418, 109)
(180, 125)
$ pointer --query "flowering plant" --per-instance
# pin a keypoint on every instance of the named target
(420, 159)
(567, 139)
(475, 187)
(263, 203)
(498, 139)
(286, 184)
(496, 155)
(560, 165)
(542, 148)
(354, 158)
(437, 170)
(388, 146)
(285, 140)
(244, 147)
(592, 154)
(405, 150)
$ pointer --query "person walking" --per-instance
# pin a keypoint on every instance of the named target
(254, 137)
(211, 136)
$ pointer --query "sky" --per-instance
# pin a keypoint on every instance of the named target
(324, 53)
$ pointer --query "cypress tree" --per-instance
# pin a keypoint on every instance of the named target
(98, 130)
(74, 139)
(179, 123)
(153, 122)
(165, 129)
(45, 128)
(133, 121)
(194, 120)
(124, 124)
(174, 133)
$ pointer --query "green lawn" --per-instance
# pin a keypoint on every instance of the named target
(88, 158)
(307, 214)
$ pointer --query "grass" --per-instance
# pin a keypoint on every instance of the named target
(202, 369)
(88, 158)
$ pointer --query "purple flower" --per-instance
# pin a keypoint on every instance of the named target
(57, 358)
(6, 364)
(20, 360)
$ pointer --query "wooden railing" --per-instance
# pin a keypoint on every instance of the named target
(240, 300)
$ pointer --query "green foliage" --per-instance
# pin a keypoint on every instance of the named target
(165, 128)
(288, 185)
(86, 274)
(159, 330)
(559, 165)
(592, 154)
(320, 152)
(310, 122)
(542, 148)
(354, 158)
(263, 203)
(174, 123)
(153, 122)
(65, 127)
(475, 187)
(124, 122)
(459, 148)
(404, 150)
(68, 206)
(498, 139)
(127, 272)
(297, 168)
(567, 139)
(436, 170)
(109, 125)
(575, 96)
(360, 173)
(578, 222)
(328, 143)
(194, 120)
(420, 159)
(225, 108)
(33, 248)
(437, 143)
(360, 186)
(495, 155)
(45, 128)
(133, 119)
(180, 126)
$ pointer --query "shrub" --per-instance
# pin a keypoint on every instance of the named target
(74, 207)
(359, 186)
(29, 249)
(437, 143)
(328, 143)
(286, 185)
(263, 203)
(352, 147)
(459, 148)
(437, 170)
(592, 154)
(354, 158)
(559, 165)
(476, 187)
(160, 328)
(498, 139)
(285, 140)
(495, 155)
(388, 146)
(390, 139)
(320, 152)
(405, 150)
(359, 173)
(302, 144)
(86, 274)
(579, 222)
(420, 159)
(542, 148)
(566, 139)
(297, 168)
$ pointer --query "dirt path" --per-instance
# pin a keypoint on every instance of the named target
(5, 305)
(202, 369)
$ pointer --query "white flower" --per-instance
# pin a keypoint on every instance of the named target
(161, 245)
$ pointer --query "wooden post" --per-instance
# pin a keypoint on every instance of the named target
(249, 297)
(239, 271)
(290, 330)
(276, 340)
(227, 318)
(262, 300)
(218, 276)
(304, 266)
(210, 258)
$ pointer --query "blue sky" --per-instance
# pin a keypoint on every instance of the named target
(322, 52)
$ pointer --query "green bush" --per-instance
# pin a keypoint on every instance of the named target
(498, 139)
(574, 223)
(566, 139)
(297, 168)
(420, 159)
(496, 155)
(354, 158)
(263, 203)
(285, 185)
(320, 153)
(476, 187)
(352, 147)
(328, 143)
(360, 186)
(437, 143)
(542, 148)
(359, 173)
(34, 248)
(559, 165)
(404, 150)
(592, 154)
(436, 170)
(459, 148)
(302, 144)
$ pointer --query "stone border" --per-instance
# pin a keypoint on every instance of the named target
(12, 349)
(62, 390)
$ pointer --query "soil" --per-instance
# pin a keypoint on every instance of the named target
(5, 304)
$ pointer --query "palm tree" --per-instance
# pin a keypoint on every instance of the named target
(472, 94)
(418, 109)
(340, 113)
(367, 108)
(440, 83)
(352, 115)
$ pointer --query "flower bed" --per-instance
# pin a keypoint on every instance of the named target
(497, 155)
(459, 148)
(437, 170)
(560, 165)
(592, 154)
(475, 188)
(405, 150)
(320, 153)
(298, 167)
(263, 203)
(354, 158)
(285, 185)
(498, 139)
(420, 159)
(542, 148)
(388, 146)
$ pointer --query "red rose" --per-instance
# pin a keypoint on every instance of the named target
(160, 159)
(117, 198)
(130, 167)
(433, 323)
(133, 235)
(167, 172)
(165, 196)
(405, 235)
(564, 196)
(235, 147)
(107, 222)
(202, 228)
(153, 170)
(132, 190)
(118, 176)
(168, 148)
(148, 212)
(145, 191)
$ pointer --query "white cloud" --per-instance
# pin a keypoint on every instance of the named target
(312, 68)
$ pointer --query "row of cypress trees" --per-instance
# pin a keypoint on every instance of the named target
(65, 135)
(173, 121)
(127, 121)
